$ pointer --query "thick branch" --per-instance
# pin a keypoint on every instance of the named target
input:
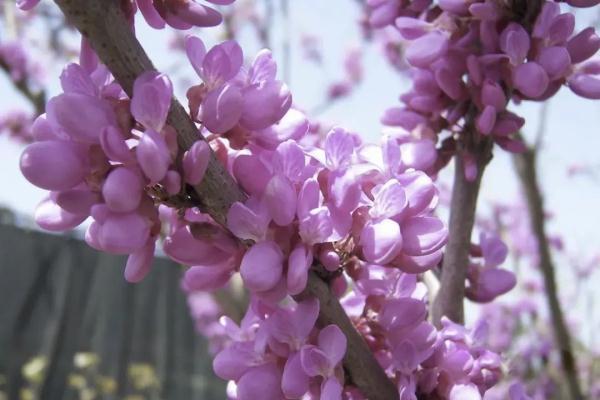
(449, 300)
(525, 165)
(103, 23)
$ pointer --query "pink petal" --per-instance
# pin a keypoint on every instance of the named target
(139, 263)
(555, 60)
(583, 45)
(51, 217)
(426, 49)
(290, 160)
(339, 147)
(308, 198)
(114, 146)
(222, 108)
(294, 125)
(247, 223)
(389, 201)
(381, 241)
(486, 120)
(314, 361)
(234, 361)
(514, 42)
(265, 104)
(418, 154)
(262, 382)
(333, 342)
(74, 79)
(203, 278)
(464, 392)
(197, 14)
(299, 263)
(150, 14)
(153, 155)
(195, 50)
(152, 93)
(294, 381)
(251, 173)
(280, 198)
(412, 28)
(80, 116)
(418, 264)
(420, 191)
(423, 235)
(402, 313)
(222, 62)
(316, 226)
(182, 247)
(195, 162)
(124, 233)
(54, 165)
(586, 86)
(77, 201)
(262, 266)
(332, 389)
(494, 250)
(531, 79)
(263, 67)
(122, 190)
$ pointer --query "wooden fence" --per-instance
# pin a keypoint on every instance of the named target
(72, 328)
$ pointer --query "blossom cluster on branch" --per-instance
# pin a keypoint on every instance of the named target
(471, 58)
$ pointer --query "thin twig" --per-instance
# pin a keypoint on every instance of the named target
(36, 98)
(105, 26)
(525, 165)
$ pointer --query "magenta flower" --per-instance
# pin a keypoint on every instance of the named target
(323, 359)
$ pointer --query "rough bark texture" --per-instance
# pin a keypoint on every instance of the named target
(449, 300)
(104, 25)
(525, 164)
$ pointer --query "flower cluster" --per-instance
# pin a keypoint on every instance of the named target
(389, 307)
(487, 281)
(120, 163)
(178, 14)
(276, 353)
(471, 58)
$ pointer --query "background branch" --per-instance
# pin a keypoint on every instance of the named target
(525, 166)
(36, 98)
(107, 30)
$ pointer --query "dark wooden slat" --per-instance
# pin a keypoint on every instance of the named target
(58, 297)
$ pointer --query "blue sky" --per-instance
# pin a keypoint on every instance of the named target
(572, 134)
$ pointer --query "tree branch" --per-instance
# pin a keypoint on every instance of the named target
(36, 98)
(449, 300)
(104, 25)
(525, 166)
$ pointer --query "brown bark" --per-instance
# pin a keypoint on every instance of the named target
(449, 300)
(525, 165)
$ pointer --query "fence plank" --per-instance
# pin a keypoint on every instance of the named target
(59, 299)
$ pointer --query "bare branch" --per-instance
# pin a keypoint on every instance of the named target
(525, 165)
(103, 23)
(449, 300)
(36, 98)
